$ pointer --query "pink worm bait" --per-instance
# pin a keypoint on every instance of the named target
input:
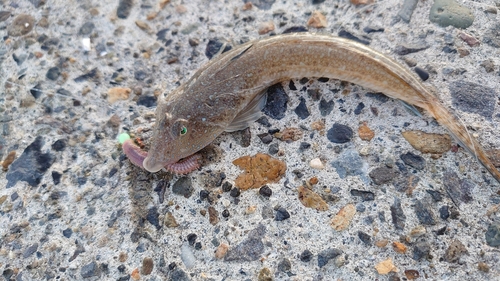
(136, 155)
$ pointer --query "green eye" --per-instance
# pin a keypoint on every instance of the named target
(184, 130)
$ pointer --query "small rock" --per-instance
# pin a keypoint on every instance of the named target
(284, 265)
(90, 270)
(213, 215)
(365, 133)
(317, 20)
(266, 27)
(4, 15)
(326, 255)
(152, 217)
(311, 199)
(386, 266)
(265, 191)
(424, 75)
(407, 9)
(325, 107)
(177, 274)
(365, 238)
(492, 35)
(289, 134)
(317, 164)
(411, 274)
(87, 28)
(399, 247)
(301, 109)
(306, 256)
(397, 214)
(483, 267)
(469, 39)
(183, 186)
(169, 220)
(493, 235)
(187, 256)
(249, 249)
(424, 214)
(221, 251)
(382, 175)
(350, 163)
(53, 73)
(473, 98)
(455, 251)
(124, 8)
(146, 100)
(266, 138)
(444, 212)
(488, 65)
(413, 160)
(281, 214)
(30, 250)
(365, 195)
(117, 93)
(276, 104)
(213, 47)
(259, 170)
(449, 12)
(21, 25)
(265, 274)
(421, 250)
(339, 133)
(147, 266)
(428, 143)
(343, 218)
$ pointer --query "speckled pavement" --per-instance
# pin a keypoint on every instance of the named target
(76, 74)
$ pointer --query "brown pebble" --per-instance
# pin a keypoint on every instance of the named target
(266, 27)
(436, 144)
(411, 274)
(164, 3)
(170, 221)
(455, 251)
(343, 218)
(483, 267)
(8, 160)
(265, 274)
(114, 121)
(213, 215)
(362, 2)
(43, 22)
(381, 243)
(399, 247)
(180, 9)
(147, 266)
(221, 251)
(318, 125)
(122, 257)
(144, 26)
(469, 39)
(203, 212)
(21, 25)
(247, 6)
(94, 12)
(259, 170)
(317, 20)
(2, 199)
(311, 199)
(365, 133)
(135, 274)
(117, 93)
(386, 266)
(289, 134)
(152, 15)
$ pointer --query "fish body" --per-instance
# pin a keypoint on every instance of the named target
(227, 93)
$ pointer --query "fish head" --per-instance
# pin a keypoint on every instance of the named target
(178, 133)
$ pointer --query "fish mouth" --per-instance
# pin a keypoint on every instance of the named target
(152, 166)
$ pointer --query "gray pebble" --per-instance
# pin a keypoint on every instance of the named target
(4, 15)
(455, 251)
(421, 250)
(492, 36)
(21, 25)
(53, 73)
(350, 163)
(326, 107)
(30, 250)
(90, 270)
(326, 255)
(273, 148)
(124, 8)
(281, 214)
(365, 238)
(397, 214)
(276, 103)
(424, 214)
(249, 249)
(444, 212)
(339, 133)
(449, 12)
(284, 265)
(382, 175)
(178, 275)
(407, 9)
(87, 28)
(413, 160)
(365, 195)
(262, 4)
(183, 186)
(493, 235)
(301, 109)
(457, 188)
(306, 256)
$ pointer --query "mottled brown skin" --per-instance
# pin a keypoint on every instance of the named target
(208, 102)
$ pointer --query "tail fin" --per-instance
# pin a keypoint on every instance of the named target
(462, 136)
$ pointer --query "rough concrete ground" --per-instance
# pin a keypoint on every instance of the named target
(72, 207)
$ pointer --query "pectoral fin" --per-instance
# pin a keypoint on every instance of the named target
(249, 114)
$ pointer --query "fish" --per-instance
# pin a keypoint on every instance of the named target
(228, 93)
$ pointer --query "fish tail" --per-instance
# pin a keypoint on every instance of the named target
(460, 133)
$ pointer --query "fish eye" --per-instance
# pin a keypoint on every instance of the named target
(183, 131)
